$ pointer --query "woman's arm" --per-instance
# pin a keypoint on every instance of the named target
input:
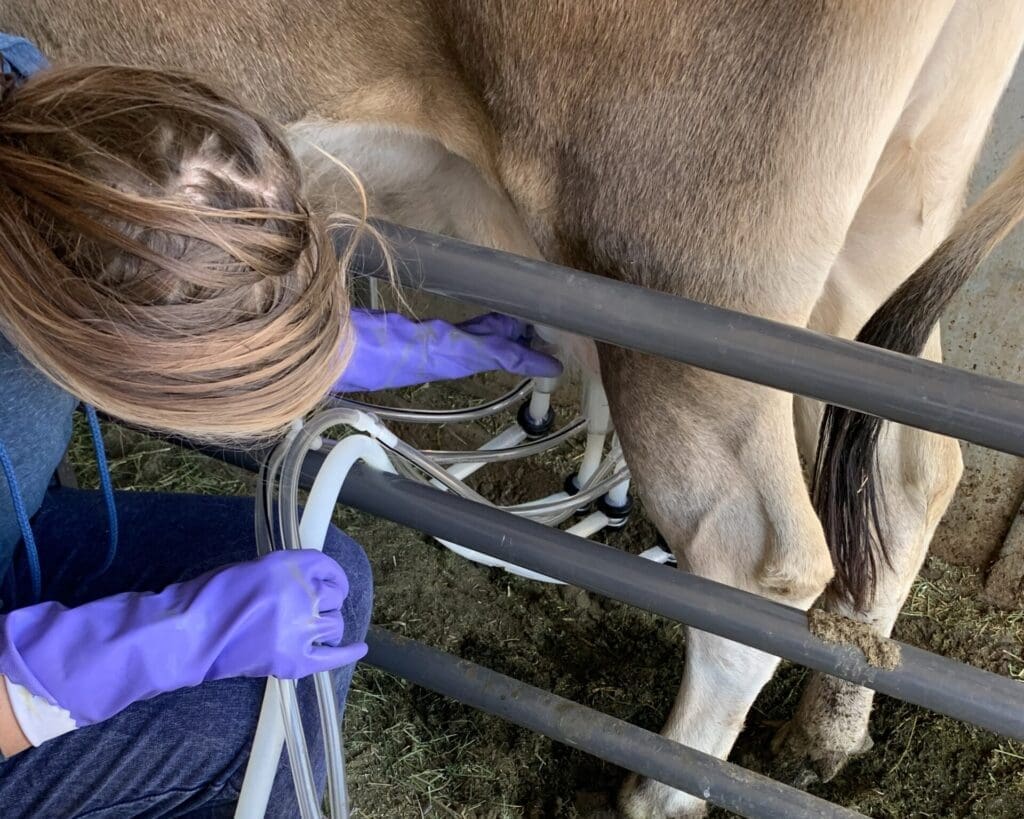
(279, 616)
(12, 738)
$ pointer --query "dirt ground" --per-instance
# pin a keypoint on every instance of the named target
(413, 753)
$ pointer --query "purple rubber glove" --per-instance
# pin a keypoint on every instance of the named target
(392, 351)
(277, 616)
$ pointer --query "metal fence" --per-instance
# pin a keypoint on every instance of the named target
(900, 388)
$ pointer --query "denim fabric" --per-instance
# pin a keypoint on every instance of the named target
(181, 754)
(35, 427)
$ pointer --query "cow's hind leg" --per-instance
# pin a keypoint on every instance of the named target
(910, 206)
(920, 474)
(721, 478)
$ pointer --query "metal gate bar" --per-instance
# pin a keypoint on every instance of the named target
(922, 678)
(619, 742)
(985, 411)
(901, 388)
(958, 690)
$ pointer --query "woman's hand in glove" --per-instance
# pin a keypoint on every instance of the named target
(277, 616)
(392, 351)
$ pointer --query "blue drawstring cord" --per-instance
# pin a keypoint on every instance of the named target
(105, 487)
(23, 522)
(21, 513)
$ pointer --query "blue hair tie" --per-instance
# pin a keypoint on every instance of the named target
(19, 57)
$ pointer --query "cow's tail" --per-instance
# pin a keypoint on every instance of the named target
(846, 488)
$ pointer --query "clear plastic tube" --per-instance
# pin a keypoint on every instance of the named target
(592, 493)
(509, 438)
(312, 531)
(281, 724)
(334, 748)
(512, 453)
(532, 509)
(619, 494)
(298, 752)
(291, 468)
(442, 476)
(540, 406)
(267, 744)
(459, 416)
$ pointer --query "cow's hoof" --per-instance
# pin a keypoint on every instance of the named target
(802, 760)
(647, 799)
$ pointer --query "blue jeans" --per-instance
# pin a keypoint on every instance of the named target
(180, 754)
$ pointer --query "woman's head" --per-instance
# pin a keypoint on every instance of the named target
(157, 258)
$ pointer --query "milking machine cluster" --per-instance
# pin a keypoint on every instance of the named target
(596, 495)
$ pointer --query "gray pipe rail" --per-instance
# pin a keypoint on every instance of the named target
(614, 740)
(922, 678)
(979, 697)
(985, 411)
(930, 396)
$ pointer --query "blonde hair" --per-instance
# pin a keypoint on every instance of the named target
(157, 258)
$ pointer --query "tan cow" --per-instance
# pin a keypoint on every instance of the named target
(788, 158)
